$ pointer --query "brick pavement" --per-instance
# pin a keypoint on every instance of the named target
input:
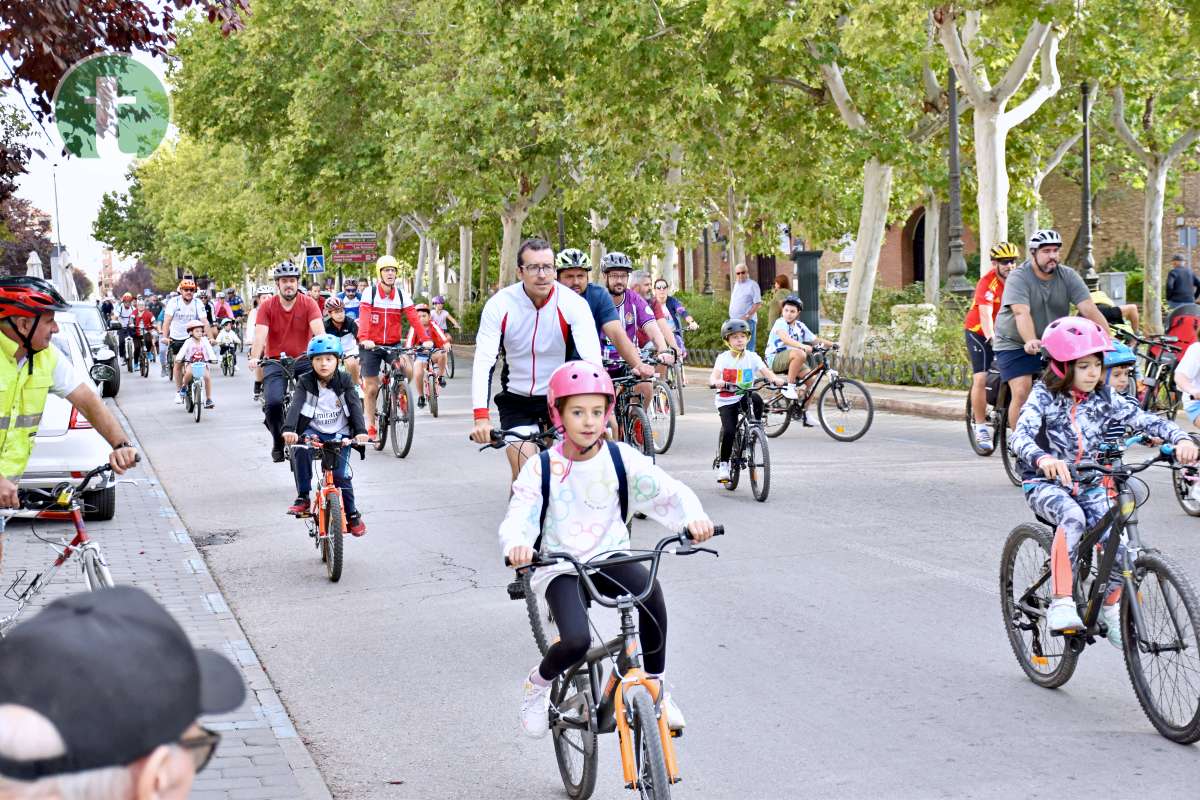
(147, 545)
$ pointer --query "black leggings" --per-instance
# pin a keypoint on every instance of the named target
(564, 595)
(729, 415)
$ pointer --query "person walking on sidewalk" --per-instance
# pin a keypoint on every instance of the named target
(979, 329)
(1182, 285)
(29, 370)
(745, 299)
(284, 324)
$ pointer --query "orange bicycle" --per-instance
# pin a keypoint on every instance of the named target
(631, 700)
(327, 519)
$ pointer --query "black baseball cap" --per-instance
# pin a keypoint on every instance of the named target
(115, 674)
(1178, 257)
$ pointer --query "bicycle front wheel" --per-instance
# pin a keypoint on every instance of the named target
(383, 404)
(335, 526)
(450, 365)
(1012, 465)
(1184, 480)
(844, 409)
(197, 398)
(431, 396)
(637, 431)
(1164, 659)
(777, 412)
(662, 417)
(95, 572)
(651, 764)
(1049, 661)
(676, 374)
(575, 747)
(539, 621)
(979, 451)
(403, 418)
(144, 365)
(758, 463)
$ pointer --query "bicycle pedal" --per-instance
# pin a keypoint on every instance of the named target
(676, 733)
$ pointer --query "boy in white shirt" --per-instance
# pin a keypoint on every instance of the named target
(227, 340)
(196, 348)
(789, 345)
(733, 375)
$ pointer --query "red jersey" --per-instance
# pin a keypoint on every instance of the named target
(439, 338)
(988, 291)
(143, 321)
(380, 316)
(290, 330)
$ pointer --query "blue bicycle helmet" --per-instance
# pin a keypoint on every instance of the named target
(325, 344)
(1119, 356)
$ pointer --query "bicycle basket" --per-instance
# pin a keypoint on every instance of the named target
(198, 369)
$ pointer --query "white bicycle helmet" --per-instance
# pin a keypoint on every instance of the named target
(1044, 237)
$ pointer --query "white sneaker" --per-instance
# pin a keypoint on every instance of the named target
(1112, 618)
(983, 437)
(675, 720)
(1063, 615)
(789, 392)
(535, 710)
(723, 472)
(178, 398)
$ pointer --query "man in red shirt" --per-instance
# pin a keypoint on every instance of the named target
(282, 327)
(979, 327)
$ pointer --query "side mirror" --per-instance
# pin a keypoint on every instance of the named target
(114, 326)
(102, 373)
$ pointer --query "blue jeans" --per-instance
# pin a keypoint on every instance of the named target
(302, 469)
(753, 321)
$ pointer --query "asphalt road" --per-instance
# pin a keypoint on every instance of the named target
(848, 642)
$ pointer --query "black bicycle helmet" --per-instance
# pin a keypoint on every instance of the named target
(615, 260)
(793, 300)
(572, 258)
(732, 326)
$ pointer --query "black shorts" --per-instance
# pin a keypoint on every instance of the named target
(1111, 313)
(176, 346)
(980, 351)
(518, 410)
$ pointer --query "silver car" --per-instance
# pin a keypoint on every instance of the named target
(67, 446)
(101, 339)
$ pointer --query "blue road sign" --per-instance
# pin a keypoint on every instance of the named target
(314, 259)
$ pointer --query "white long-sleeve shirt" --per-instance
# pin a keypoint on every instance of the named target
(534, 341)
(583, 517)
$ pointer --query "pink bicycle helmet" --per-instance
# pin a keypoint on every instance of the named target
(1069, 338)
(577, 377)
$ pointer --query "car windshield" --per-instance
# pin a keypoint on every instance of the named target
(89, 319)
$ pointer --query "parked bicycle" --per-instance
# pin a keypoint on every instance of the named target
(63, 502)
(394, 404)
(1159, 616)
(844, 406)
(327, 519)
(629, 703)
(750, 451)
(633, 423)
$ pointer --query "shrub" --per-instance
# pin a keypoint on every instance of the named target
(1124, 260)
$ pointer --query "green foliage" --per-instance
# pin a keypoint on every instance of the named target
(1134, 286)
(1124, 260)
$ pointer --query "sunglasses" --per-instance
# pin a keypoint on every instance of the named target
(201, 747)
(660, 286)
(1008, 261)
(741, 273)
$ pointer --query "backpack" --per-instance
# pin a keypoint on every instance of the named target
(622, 488)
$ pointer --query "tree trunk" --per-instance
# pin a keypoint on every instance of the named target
(1156, 190)
(689, 268)
(511, 220)
(933, 252)
(1032, 222)
(598, 224)
(992, 176)
(464, 267)
(872, 223)
(435, 267)
(484, 270)
(733, 234)
(422, 257)
(669, 268)
(389, 240)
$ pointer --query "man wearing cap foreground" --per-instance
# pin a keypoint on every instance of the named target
(127, 732)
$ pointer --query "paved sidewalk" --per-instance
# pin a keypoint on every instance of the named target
(147, 545)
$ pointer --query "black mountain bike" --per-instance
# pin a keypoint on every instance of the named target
(844, 406)
(1160, 613)
(632, 420)
(664, 405)
(750, 450)
(395, 408)
(998, 397)
(1160, 395)
(629, 702)
(288, 365)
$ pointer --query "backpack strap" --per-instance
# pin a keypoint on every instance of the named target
(622, 488)
(544, 456)
(622, 479)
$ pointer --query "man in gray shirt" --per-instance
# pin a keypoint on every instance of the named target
(744, 300)
(1035, 294)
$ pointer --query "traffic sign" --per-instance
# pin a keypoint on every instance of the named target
(314, 259)
(355, 247)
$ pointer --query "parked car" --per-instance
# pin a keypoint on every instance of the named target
(67, 446)
(102, 339)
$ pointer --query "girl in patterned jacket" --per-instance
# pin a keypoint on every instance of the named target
(1065, 420)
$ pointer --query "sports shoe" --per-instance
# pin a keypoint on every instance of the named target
(983, 438)
(209, 404)
(723, 472)
(1063, 615)
(804, 419)
(372, 433)
(442, 381)
(178, 398)
(299, 507)
(421, 401)
(1112, 618)
(675, 720)
(789, 392)
(355, 524)
(535, 710)
(277, 455)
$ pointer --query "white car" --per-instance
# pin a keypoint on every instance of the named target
(67, 446)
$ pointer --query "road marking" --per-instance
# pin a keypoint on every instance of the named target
(921, 566)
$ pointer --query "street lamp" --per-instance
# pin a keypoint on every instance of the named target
(956, 268)
(707, 275)
(1085, 227)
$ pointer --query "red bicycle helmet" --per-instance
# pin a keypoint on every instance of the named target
(27, 296)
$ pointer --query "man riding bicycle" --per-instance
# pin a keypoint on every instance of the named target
(124, 315)
(29, 370)
(176, 315)
(640, 321)
(979, 329)
(1036, 293)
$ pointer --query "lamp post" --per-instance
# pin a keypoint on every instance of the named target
(956, 267)
(1088, 268)
(707, 275)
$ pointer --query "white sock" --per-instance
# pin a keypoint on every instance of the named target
(536, 679)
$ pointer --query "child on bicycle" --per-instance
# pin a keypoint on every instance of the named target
(325, 406)
(338, 323)
(438, 357)
(583, 518)
(733, 374)
(789, 345)
(196, 349)
(227, 340)
(1064, 421)
(1118, 369)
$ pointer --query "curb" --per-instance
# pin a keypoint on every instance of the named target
(258, 683)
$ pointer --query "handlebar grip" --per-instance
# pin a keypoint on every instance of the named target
(718, 530)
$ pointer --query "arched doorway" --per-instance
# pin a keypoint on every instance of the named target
(918, 249)
(912, 249)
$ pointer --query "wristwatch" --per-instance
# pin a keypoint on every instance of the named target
(122, 446)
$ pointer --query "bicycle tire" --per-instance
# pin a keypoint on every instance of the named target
(144, 365)
(651, 765)
(383, 402)
(450, 365)
(128, 356)
(637, 431)
(1012, 464)
(760, 470)
(777, 412)
(404, 418)
(1047, 669)
(735, 460)
(843, 402)
(335, 527)
(95, 572)
(534, 609)
(676, 374)
(431, 396)
(1184, 490)
(970, 417)
(664, 434)
(575, 697)
(1186, 728)
(198, 399)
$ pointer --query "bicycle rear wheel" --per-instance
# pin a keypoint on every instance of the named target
(431, 396)
(637, 431)
(777, 411)
(844, 409)
(450, 365)
(758, 463)
(735, 460)
(1049, 661)
(979, 451)
(383, 404)
(651, 765)
(335, 526)
(1184, 480)
(1164, 661)
(662, 416)
(575, 748)
(95, 572)
(403, 418)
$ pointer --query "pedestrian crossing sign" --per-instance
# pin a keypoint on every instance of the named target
(314, 259)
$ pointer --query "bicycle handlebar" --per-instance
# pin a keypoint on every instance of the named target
(1086, 471)
(45, 498)
(725, 386)
(683, 539)
(500, 437)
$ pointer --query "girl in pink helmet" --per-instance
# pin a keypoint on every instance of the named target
(583, 517)
(1064, 421)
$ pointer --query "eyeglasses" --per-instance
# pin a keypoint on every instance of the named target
(1006, 261)
(741, 273)
(201, 747)
(539, 269)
